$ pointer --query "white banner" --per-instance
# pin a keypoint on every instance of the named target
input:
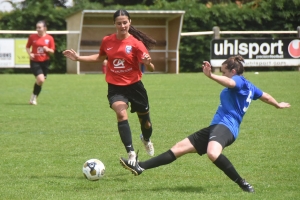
(262, 62)
(7, 53)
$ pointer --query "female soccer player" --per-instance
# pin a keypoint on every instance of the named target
(125, 50)
(224, 128)
(41, 45)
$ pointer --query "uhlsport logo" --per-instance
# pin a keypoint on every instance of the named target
(294, 48)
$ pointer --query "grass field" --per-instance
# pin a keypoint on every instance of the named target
(43, 147)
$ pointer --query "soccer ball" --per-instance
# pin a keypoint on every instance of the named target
(93, 169)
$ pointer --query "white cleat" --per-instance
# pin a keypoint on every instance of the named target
(32, 100)
(132, 158)
(148, 146)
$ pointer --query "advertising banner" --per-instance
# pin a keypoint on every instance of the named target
(7, 56)
(21, 56)
(257, 52)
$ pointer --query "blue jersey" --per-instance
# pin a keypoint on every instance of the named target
(234, 104)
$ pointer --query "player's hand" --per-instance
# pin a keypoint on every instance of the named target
(71, 54)
(46, 49)
(146, 59)
(283, 105)
(206, 68)
(31, 56)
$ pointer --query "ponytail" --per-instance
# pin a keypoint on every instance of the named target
(139, 35)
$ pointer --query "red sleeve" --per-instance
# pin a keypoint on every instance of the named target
(29, 42)
(141, 51)
(52, 43)
(102, 48)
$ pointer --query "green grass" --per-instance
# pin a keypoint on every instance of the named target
(43, 147)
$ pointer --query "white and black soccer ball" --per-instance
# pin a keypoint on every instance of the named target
(93, 169)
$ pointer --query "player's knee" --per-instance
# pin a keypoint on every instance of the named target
(40, 80)
(212, 155)
(145, 121)
(121, 115)
(147, 125)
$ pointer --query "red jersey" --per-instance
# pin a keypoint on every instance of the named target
(37, 43)
(124, 57)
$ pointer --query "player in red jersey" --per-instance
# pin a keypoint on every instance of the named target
(41, 45)
(125, 50)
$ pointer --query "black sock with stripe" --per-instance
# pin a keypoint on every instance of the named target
(162, 159)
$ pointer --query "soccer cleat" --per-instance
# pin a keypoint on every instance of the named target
(245, 186)
(148, 146)
(132, 158)
(32, 100)
(135, 169)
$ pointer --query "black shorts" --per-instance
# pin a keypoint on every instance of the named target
(38, 68)
(136, 94)
(218, 133)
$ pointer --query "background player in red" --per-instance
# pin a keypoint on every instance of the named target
(41, 45)
(125, 50)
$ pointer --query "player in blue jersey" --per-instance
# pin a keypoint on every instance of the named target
(235, 99)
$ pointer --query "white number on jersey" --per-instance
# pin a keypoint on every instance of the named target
(248, 100)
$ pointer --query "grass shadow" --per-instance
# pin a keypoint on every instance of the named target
(190, 189)
(17, 104)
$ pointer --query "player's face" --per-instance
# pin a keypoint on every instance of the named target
(122, 24)
(226, 72)
(40, 28)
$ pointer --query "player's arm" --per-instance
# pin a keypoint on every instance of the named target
(147, 62)
(48, 50)
(51, 47)
(267, 98)
(28, 50)
(71, 54)
(31, 55)
(222, 80)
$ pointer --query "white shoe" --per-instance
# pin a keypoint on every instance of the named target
(32, 100)
(132, 158)
(148, 146)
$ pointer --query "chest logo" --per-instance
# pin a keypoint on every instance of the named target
(128, 49)
(47, 41)
(119, 63)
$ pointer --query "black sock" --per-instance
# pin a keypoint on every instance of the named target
(146, 132)
(125, 134)
(37, 89)
(225, 165)
(162, 159)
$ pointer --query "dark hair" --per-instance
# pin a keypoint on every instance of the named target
(42, 22)
(235, 62)
(146, 40)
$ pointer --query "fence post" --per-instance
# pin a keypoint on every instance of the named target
(216, 35)
(298, 35)
(216, 31)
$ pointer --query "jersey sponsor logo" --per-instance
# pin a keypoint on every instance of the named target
(128, 49)
(47, 41)
(109, 48)
(294, 48)
(119, 63)
(40, 50)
